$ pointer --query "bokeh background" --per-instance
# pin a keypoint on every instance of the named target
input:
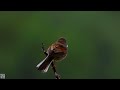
(93, 38)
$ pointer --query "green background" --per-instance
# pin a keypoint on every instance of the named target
(93, 38)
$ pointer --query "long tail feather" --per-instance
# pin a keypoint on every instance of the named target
(45, 64)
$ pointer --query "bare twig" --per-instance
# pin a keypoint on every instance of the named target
(55, 72)
(44, 49)
(57, 76)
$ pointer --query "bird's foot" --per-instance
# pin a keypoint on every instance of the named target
(57, 76)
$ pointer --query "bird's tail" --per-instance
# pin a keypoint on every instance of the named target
(45, 64)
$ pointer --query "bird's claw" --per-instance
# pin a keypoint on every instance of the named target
(57, 76)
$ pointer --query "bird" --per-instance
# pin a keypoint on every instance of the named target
(55, 52)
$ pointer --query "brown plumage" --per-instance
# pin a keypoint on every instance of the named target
(56, 52)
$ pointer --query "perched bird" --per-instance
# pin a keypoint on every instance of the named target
(56, 52)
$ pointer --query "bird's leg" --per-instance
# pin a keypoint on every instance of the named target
(57, 76)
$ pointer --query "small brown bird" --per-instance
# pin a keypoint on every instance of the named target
(56, 52)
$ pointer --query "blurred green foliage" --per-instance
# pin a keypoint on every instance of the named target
(93, 39)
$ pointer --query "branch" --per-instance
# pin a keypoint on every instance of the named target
(55, 72)
(57, 76)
